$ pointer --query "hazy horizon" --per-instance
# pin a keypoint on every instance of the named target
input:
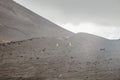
(95, 17)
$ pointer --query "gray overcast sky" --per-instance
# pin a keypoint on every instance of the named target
(74, 12)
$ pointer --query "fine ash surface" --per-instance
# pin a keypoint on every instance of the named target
(54, 55)
(81, 57)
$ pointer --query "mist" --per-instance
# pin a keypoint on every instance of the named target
(70, 14)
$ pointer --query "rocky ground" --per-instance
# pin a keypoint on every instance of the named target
(60, 59)
(57, 54)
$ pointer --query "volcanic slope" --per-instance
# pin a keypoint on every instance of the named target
(83, 56)
(18, 23)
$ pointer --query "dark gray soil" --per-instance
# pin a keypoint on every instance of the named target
(56, 54)
(60, 59)
(18, 23)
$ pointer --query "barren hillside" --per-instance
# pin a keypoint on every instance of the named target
(19, 23)
(88, 58)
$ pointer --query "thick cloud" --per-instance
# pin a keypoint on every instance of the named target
(105, 12)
